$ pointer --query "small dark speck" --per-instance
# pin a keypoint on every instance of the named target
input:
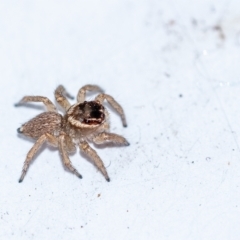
(167, 75)
(194, 22)
(99, 195)
(233, 149)
(192, 161)
(180, 95)
(208, 159)
(212, 9)
(217, 28)
(81, 226)
(171, 22)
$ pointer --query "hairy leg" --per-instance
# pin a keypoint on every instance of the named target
(91, 153)
(31, 154)
(60, 96)
(101, 97)
(66, 161)
(50, 106)
(82, 92)
(105, 137)
(52, 140)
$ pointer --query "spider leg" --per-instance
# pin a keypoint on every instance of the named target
(66, 161)
(52, 140)
(92, 154)
(82, 92)
(32, 152)
(105, 137)
(101, 97)
(60, 96)
(50, 106)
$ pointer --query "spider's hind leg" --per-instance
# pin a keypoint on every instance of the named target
(49, 105)
(32, 152)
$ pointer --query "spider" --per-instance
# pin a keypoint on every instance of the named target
(83, 122)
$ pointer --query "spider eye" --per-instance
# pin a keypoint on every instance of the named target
(96, 114)
(91, 112)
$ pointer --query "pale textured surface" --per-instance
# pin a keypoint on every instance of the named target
(177, 77)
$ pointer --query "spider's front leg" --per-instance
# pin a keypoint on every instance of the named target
(105, 137)
(82, 92)
(101, 97)
(60, 96)
(92, 154)
(50, 106)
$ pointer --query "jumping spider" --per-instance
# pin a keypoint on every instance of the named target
(82, 122)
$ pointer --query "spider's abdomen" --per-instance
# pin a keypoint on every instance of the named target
(47, 122)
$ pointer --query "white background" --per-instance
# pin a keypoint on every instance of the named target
(175, 68)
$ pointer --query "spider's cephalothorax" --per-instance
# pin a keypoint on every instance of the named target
(87, 113)
(83, 121)
(92, 112)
